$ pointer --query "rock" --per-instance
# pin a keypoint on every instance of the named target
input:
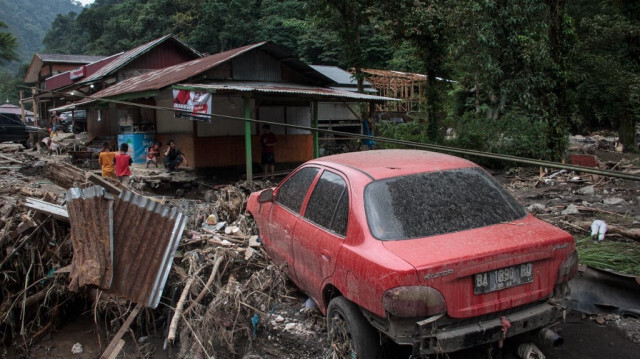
(571, 209)
(39, 164)
(613, 201)
(77, 348)
(536, 208)
(289, 326)
(587, 190)
(142, 339)
(279, 319)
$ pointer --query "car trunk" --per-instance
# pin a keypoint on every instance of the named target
(489, 269)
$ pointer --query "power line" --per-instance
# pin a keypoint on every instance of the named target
(432, 147)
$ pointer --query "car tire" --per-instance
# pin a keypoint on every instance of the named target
(28, 143)
(69, 128)
(350, 335)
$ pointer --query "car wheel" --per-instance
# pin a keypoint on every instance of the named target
(28, 143)
(70, 128)
(350, 335)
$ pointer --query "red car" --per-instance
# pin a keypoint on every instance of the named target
(423, 248)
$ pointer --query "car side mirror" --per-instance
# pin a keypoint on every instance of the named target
(266, 196)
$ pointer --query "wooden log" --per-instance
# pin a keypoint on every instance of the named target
(64, 174)
(178, 313)
(11, 159)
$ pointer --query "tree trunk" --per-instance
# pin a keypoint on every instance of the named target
(627, 131)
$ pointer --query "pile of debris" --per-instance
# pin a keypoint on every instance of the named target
(222, 291)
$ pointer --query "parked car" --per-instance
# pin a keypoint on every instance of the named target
(12, 129)
(67, 123)
(424, 248)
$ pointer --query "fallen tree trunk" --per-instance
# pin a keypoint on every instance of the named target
(64, 174)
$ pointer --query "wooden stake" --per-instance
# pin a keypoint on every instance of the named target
(178, 313)
(114, 346)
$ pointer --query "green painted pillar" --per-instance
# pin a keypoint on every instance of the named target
(247, 139)
(316, 147)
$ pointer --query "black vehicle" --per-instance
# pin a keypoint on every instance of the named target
(67, 123)
(12, 129)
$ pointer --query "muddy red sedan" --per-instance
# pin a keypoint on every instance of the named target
(420, 248)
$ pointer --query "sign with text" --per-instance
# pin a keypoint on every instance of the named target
(192, 105)
(77, 73)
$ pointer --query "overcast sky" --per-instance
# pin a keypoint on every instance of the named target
(85, 2)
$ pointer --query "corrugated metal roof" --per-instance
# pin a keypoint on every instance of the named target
(91, 217)
(155, 80)
(146, 235)
(70, 59)
(158, 79)
(13, 109)
(284, 89)
(338, 75)
(131, 55)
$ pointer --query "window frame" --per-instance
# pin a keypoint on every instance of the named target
(346, 191)
(305, 198)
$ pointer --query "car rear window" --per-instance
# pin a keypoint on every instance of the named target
(428, 204)
(292, 192)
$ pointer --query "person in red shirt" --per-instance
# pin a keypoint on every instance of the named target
(268, 141)
(123, 161)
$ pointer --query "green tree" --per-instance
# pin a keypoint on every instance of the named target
(423, 25)
(8, 45)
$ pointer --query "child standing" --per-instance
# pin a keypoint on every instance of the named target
(123, 161)
(107, 160)
(153, 153)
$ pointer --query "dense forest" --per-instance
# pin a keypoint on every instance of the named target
(523, 74)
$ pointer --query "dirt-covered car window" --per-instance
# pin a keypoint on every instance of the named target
(292, 192)
(325, 205)
(428, 204)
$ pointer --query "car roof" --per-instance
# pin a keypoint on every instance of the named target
(379, 164)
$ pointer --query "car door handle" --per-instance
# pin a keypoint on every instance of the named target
(326, 255)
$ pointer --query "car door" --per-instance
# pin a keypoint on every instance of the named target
(319, 235)
(285, 213)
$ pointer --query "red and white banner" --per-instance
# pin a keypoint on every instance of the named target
(193, 105)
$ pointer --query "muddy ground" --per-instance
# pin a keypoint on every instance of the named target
(288, 329)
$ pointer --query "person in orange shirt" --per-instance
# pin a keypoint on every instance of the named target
(107, 160)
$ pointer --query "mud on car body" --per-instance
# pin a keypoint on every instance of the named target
(425, 249)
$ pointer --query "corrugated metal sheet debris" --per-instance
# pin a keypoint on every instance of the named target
(91, 217)
(146, 238)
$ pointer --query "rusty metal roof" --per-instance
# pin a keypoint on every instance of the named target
(158, 79)
(129, 56)
(90, 215)
(284, 89)
(146, 235)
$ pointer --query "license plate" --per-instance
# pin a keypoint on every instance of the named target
(502, 278)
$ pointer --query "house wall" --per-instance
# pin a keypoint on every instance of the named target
(335, 111)
(102, 121)
(169, 127)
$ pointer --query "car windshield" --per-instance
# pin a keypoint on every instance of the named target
(428, 204)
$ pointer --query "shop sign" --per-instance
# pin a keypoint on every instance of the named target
(192, 105)
(77, 73)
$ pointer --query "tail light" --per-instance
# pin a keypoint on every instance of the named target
(413, 301)
(569, 268)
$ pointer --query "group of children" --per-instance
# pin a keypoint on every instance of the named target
(116, 164)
